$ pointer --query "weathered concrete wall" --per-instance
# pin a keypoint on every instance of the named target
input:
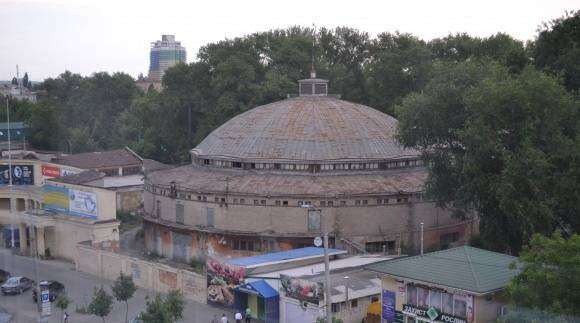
(146, 274)
(129, 200)
(284, 227)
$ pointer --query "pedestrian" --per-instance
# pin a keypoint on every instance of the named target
(248, 315)
(224, 318)
(215, 319)
(65, 317)
(238, 317)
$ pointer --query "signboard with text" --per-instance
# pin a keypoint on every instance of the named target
(70, 201)
(50, 171)
(83, 203)
(388, 304)
(432, 314)
(21, 175)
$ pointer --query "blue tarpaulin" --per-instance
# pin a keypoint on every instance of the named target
(268, 300)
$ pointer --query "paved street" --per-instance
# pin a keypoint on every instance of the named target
(79, 287)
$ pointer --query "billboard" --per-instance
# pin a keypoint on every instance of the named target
(21, 175)
(302, 289)
(55, 171)
(222, 278)
(70, 201)
(388, 304)
(50, 171)
(83, 203)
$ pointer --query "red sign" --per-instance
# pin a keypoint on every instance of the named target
(50, 171)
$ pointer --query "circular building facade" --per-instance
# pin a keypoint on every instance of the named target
(278, 175)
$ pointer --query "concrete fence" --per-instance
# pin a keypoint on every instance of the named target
(146, 274)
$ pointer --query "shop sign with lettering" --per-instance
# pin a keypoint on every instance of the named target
(432, 314)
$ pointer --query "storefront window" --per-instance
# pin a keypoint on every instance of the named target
(447, 300)
(435, 299)
(411, 295)
(460, 306)
(422, 297)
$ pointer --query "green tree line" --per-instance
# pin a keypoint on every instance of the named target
(496, 118)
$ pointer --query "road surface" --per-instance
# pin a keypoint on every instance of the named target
(79, 288)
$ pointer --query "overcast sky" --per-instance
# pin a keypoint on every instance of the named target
(47, 37)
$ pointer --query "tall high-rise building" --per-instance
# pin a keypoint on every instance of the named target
(164, 54)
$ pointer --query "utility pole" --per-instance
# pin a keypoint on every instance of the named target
(12, 238)
(327, 288)
(327, 279)
(421, 238)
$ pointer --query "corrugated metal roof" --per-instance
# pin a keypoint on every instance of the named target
(289, 255)
(307, 128)
(465, 268)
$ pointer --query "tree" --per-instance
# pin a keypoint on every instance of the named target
(123, 289)
(160, 310)
(548, 281)
(500, 144)
(62, 303)
(14, 81)
(557, 49)
(175, 303)
(101, 304)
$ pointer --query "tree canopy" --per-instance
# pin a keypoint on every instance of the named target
(549, 276)
(500, 144)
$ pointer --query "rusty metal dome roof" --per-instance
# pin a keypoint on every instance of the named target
(306, 128)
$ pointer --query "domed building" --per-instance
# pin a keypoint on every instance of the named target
(278, 175)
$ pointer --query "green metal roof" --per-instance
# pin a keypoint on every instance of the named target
(13, 125)
(465, 268)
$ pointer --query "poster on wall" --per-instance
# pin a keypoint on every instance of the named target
(222, 278)
(388, 306)
(83, 203)
(302, 289)
(70, 201)
(21, 175)
(50, 171)
(56, 198)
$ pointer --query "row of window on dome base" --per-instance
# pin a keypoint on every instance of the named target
(312, 167)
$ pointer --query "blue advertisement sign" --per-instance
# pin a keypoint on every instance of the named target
(21, 175)
(388, 306)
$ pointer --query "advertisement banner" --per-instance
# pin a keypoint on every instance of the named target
(83, 203)
(50, 171)
(21, 175)
(222, 278)
(56, 198)
(388, 306)
(302, 289)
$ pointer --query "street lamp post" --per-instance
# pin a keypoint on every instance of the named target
(326, 265)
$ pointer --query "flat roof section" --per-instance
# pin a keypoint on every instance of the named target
(283, 256)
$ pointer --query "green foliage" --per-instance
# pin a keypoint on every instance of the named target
(62, 302)
(101, 304)
(557, 49)
(499, 143)
(198, 266)
(129, 220)
(14, 81)
(123, 289)
(548, 281)
(164, 310)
